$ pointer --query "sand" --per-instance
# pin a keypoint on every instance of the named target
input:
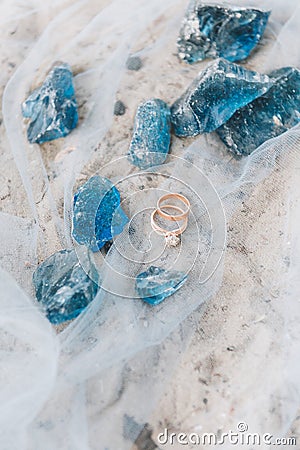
(233, 367)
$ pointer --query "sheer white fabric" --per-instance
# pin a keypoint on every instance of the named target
(95, 384)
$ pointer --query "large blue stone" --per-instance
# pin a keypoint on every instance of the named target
(152, 134)
(214, 96)
(52, 108)
(211, 31)
(97, 215)
(156, 284)
(268, 116)
(62, 287)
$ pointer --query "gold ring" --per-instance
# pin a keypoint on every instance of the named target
(178, 217)
(172, 236)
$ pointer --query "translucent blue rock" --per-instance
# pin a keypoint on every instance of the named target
(211, 31)
(62, 287)
(52, 108)
(214, 96)
(156, 284)
(152, 134)
(266, 117)
(97, 215)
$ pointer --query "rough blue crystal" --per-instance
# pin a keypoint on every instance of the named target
(152, 134)
(97, 215)
(62, 287)
(52, 108)
(214, 96)
(211, 31)
(266, 117)
(156, 284)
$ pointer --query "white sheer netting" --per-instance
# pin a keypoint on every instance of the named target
(95, 384)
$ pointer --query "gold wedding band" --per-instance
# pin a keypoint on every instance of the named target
(173, 217)
(163, 231)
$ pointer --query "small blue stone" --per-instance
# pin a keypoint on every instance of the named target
(214, 96)
(119, 108)
(156, 284)
(152, 134)
(52, 108)
(268, 116)
(134, 63)
(211, 31)
(97, 215)
(62, 287)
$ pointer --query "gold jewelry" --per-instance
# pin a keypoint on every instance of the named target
(172, 236)
(177, 217)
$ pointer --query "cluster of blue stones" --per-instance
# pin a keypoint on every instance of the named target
(243, 107)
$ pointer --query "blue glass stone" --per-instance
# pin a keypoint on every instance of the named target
(156, 284)
(62, 287)
(268, 116)
(214, 96)
(152, 134)
(211, 31)
(52, 108)
(97, 215)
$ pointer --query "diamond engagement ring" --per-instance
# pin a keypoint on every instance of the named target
(172, 236)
